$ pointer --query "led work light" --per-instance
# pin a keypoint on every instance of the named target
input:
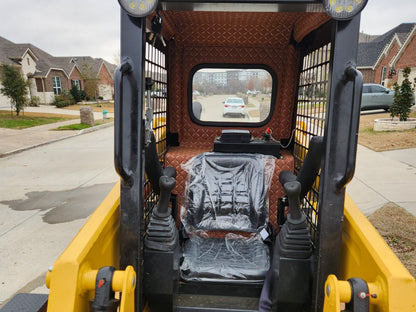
(343, 9)
(138, 8)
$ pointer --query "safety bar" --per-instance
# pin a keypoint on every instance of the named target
(124, 168)
(352, 74)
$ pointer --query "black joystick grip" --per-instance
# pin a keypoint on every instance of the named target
(292, 190)
(166, 185)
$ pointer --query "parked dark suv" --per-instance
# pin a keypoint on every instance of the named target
(376, 96)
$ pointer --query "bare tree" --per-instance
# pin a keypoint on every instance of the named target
(89, 75)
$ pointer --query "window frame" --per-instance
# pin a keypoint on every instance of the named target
(57, 90)
(231, 66)
(76, 82)
(383, 75)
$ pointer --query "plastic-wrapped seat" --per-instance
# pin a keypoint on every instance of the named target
(224, 209)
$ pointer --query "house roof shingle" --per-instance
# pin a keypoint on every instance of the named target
(369, 52)
(11, 53)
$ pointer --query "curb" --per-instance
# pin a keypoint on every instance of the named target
(80, 132)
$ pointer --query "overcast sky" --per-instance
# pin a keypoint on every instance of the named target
(91, 27)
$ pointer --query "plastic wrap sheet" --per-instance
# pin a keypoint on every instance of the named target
(233, 258)
(227, 192)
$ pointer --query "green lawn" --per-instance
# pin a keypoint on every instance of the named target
(27, 120)
(74, 127)
(82, 126)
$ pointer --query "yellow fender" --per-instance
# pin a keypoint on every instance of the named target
(71, 280)
(365, 254)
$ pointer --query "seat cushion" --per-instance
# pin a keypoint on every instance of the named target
(227, 192)
(235, 258)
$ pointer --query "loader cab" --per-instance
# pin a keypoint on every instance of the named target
(231, 96)
(235, 137)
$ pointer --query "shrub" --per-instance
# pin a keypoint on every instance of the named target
(76, 94)
(63, 103)
(83, 95)
(403, 97)
(64, 99)
(34, 101)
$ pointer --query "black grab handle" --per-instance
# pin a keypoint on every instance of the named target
(124, 167)
(354, 75)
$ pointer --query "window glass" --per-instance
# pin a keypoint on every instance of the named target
(77, 83)
(366, 89)
(232, 95)
(383, 75)
(377, 89)
(56, 84)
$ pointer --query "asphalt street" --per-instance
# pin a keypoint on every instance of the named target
(46, 195)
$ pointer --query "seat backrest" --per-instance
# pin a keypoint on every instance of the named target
(227, 192)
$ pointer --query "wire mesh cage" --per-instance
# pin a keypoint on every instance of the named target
(156, 68)
(312, 101)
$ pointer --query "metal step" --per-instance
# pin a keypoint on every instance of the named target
(199, 309)
(210, 303)
(26, 303)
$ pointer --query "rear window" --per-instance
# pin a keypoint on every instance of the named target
(231, 95)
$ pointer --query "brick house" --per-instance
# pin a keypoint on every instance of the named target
(76, 78)
(22, 57)
(405, 57)
(97, 69)
(381, 58)
(49, 75)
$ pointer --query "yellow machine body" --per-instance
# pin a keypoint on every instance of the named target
(95, 246)
(364, 255)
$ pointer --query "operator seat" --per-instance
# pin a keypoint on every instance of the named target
(225, 207)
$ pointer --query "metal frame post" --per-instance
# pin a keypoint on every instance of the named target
(129, 159)
(340, 151)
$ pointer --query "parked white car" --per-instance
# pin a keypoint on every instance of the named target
(234, 106)
(252, 92)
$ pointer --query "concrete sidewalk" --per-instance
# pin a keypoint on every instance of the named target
(382, 177)
(14, 141)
